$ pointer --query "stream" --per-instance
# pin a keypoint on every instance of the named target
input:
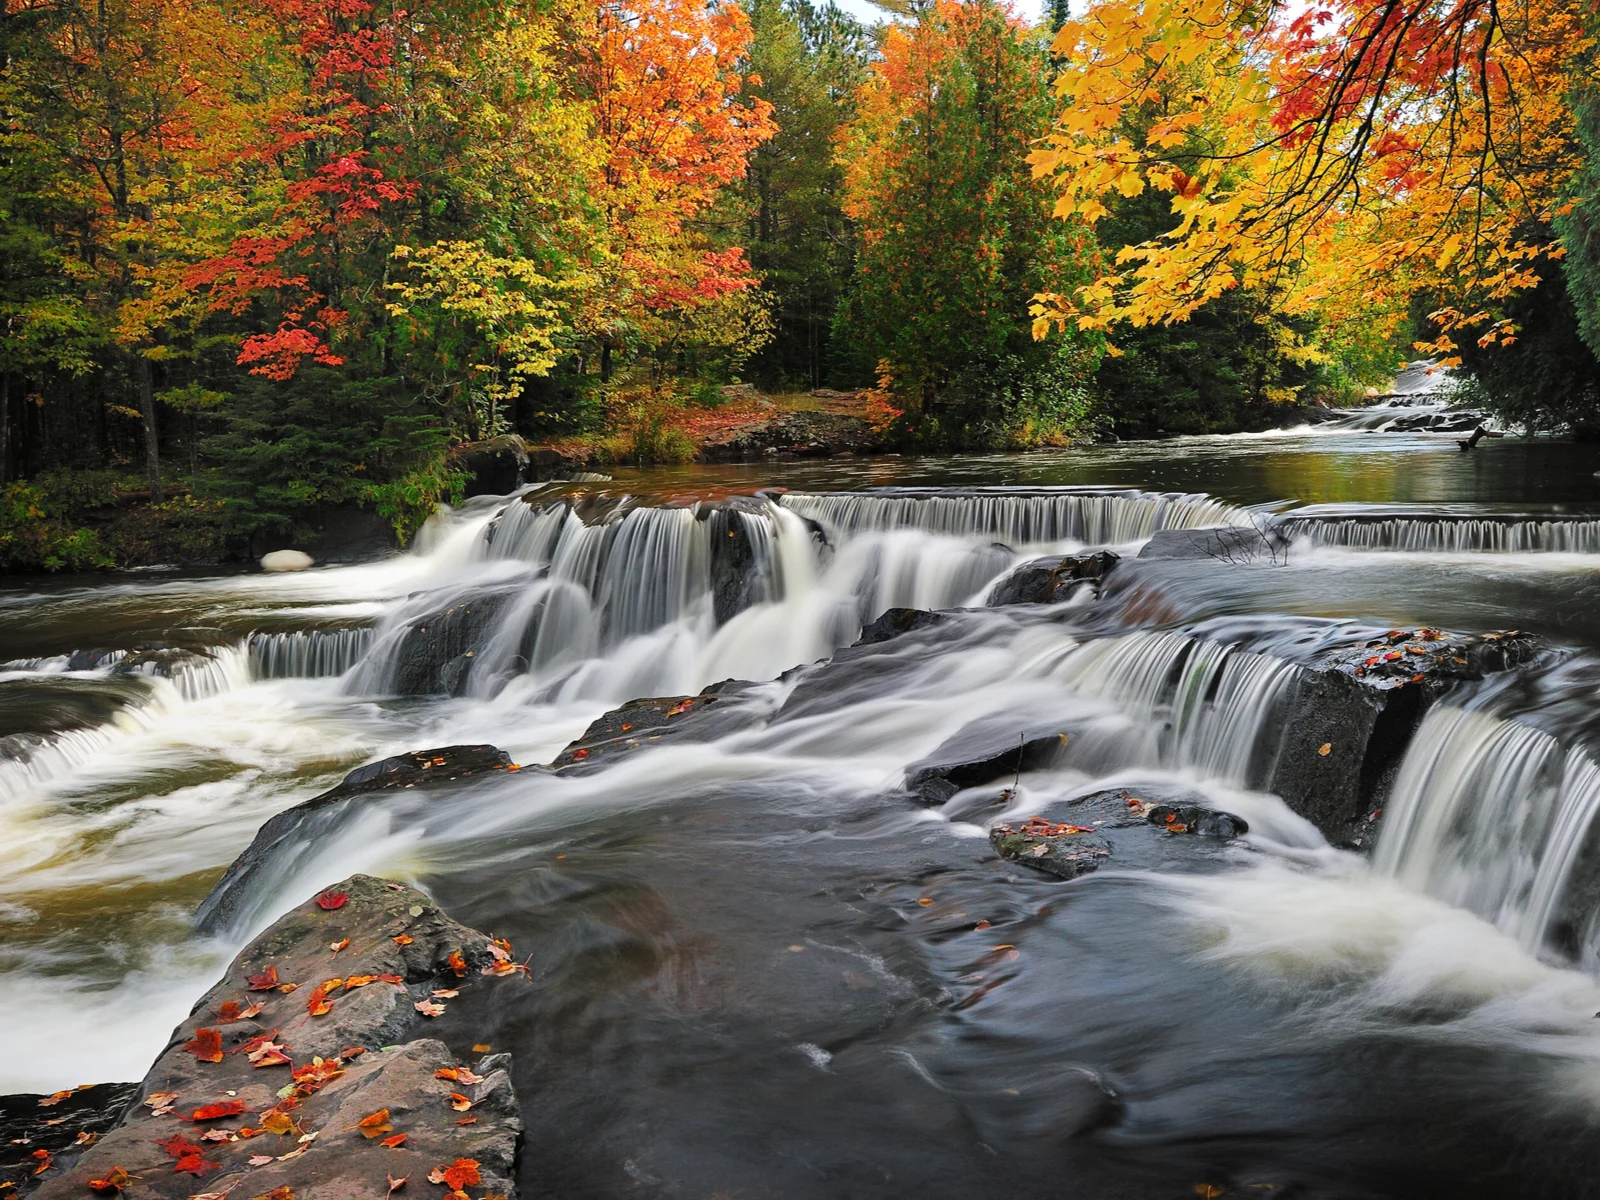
(760, 967)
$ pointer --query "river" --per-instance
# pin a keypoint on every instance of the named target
(759, 967)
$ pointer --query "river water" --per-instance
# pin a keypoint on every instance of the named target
(759, 968)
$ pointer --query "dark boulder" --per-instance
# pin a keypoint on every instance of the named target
(795, 435)
(288, 836)
(1049, 580)
(893, 622)
(495, 467)
(1061, 849)
(434, 655)
(981, 753)
(736, 582)
(59, 1124)
(338, 1038)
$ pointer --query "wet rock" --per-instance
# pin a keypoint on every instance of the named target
(639, 724)
(160, 660)
(1196, 821)
(736, 582)
(982, 753)
(1049, 580)
(893, 622)
(61, 1125)
(435, 654)
(1227, 544)
(1354, 710)
(363, 1055)
(1062, 849)
(496, 466)
(89, 660)
(287, 836)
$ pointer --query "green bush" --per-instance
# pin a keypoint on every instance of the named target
(33, 538)
(410, 500)
(187, 529)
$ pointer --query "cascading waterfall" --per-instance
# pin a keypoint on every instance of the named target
(30, 759)
(743, 586)
(1490, 814)
(1424, 533)
(1211, 704)
(1019, 520)
(307, 654)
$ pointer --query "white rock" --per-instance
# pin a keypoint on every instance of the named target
(286, 560)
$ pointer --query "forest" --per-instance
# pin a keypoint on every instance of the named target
(262, 260)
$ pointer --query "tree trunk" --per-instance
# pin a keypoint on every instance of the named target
(147, 409)
(5, 426)
(605, 362)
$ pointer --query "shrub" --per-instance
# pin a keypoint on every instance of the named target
(33, 538)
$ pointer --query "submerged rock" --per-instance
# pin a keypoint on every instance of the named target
(893, 622)
(275, 1096)
(286, 836)
(1227, 544)
(1062, 849)
(1050, 580)
(435, 654)
(646, 722)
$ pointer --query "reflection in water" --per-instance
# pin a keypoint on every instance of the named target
(760, 967)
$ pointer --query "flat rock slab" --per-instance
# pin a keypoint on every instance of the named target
(276, 1098)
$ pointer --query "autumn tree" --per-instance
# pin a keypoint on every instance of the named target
(1346, 153)
(955, 236)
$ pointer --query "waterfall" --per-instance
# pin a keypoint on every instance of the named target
(1443, 532)
(307, 654)
(1490, 814)
(1017, 519)
(1211, 704)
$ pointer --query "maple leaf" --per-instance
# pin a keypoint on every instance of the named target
(395, 979)
(358, 981)
(428, 1008)
(206, 1045)
(339, 945)
(218, 1135)
(318, 1005)
(114, 1180)
(275, 1120)
(329, 901)
(222, 1108)
(260, 1160)
(395, 1142)
(55, 1098)
(460, 1174)
(86, 1138)
(279, 1193)
(229, 1011)
(456, 963)
(179, 1146)
(46, 1159)
(375, 1124)
(458, 1075)
(265, 981)
(459, 1102)
(396, 1184)
(160, 1102)
(405, 939)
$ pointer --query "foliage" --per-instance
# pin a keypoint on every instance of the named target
(34, 534)
(954, 234)
(650, 429)
(410, 500)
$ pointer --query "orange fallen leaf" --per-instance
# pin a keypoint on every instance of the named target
(395, 1142)
(981, 925)
(218, 1135)
(1325, 749)
(179, 1146)
(45, 1159)
(280, 1193)
(86, 1139)
(481, 1048)
(459, 1102)
(391, 979)
(467, 1121)
(458, 1075)
(229, 1011)
(460, 1174)
(405, 939)
(160, 1102)
(456, 963)
(253, 1011)
(396, 1184)
(206, 1045)
(54, 1099)
(318, 1005)
(215, 1112)
(275, 1120)
(428, 1008)
(329, 901)
(357, 981)
(339, 945)
(375, 1124)
(265, 981)
(445, 993)
(352, 1052)
(114, 1181)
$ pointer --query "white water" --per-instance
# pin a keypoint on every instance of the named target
(1425, 534)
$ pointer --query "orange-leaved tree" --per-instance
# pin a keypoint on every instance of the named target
(1346, 151)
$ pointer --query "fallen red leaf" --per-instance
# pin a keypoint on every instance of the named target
(115, 1180)
(375, 1124)
(329, 901)
(466, 1120)
(54, 1099)
(206, 1045)
(229, 1011)
(352, 1052)
(459, 1102)
(265, 981)
(45, 1158)
(179, 1146)
(428, 1008)
(396, 1184)
(456, 963)
(319, 1005)
(391, 979)
(339, 945)
(405, 939)
(395, 1142)
(222, 1108)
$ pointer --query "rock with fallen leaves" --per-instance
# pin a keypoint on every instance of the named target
(640, 724)
(1063, 850)
(293, 833)
(302, 1088)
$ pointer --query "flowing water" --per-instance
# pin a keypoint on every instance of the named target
(759, 966)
